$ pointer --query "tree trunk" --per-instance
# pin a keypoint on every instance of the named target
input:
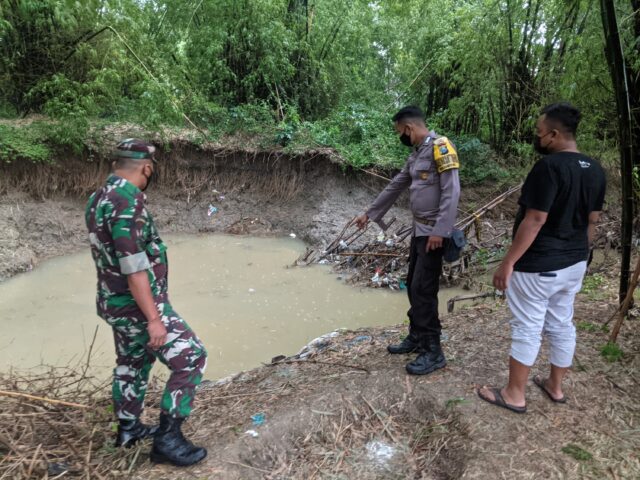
(618, 69)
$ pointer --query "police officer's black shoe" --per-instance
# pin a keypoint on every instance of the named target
(428, 361)
(170, 446)
(408, 345)
(131, 431)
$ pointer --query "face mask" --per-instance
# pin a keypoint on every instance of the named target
(149, 179)
(538, 147)
(406, 140)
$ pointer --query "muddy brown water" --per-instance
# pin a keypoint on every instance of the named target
(237, 293)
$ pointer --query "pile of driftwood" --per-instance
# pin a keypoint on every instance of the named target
(380, 260)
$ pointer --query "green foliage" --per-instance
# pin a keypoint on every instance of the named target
(27, 143)
(588, 327)
(362, 136)
(454, 402)
(592, 286)
(611, 352)
(298, 73)
(577, 452)
(478, 161)
(592, 282)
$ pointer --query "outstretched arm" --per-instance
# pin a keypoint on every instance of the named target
(386, 199)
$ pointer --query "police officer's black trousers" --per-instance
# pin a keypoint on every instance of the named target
(423, 283)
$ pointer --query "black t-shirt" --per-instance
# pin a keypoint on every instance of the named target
(568, 186)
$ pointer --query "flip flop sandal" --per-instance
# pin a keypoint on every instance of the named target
(499, 401)
(540, 383)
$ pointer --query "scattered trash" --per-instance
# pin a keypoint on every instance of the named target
(402, 285)
(390, 243)
(253, 433)
(292, 235)
(258, 419)
(278, 358)
(359, 339)
(343, 245)
(252, 290)
(324, 261)
(212, 210)
(221, 197)
(58, 468)
(377, 277)
(380, 453)
(444, 337)
(380, 237)
(317, 345)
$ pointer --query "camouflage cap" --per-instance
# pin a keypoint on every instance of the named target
(135, 149)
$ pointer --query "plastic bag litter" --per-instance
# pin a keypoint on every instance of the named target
(212, 210)
(258, 419)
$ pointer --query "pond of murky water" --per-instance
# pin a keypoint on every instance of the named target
(236, 292)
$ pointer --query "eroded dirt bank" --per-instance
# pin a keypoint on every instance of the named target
(41, 207)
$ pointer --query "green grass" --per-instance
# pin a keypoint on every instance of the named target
(588, 327)
(592, 286)
(454, 402)
(611, 352)
(577, 452)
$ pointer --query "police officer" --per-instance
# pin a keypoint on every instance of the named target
(131, 261)
(431, 175)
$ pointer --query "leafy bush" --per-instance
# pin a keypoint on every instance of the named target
(363, 137)
(477, 161)
(26, 143)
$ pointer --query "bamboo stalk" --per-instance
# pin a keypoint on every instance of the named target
(624, 308)
(41, 399)
(369, 254)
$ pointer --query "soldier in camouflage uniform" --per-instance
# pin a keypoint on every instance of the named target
(131, 261)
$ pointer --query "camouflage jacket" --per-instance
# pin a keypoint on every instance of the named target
(124, 240)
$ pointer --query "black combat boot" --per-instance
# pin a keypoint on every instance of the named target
(428, 361)
(408, 345)
(130, 431)
(170, 446)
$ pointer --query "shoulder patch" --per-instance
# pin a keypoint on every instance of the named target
(445, 155)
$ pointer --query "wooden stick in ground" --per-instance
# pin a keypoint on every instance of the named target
(459, 298)
(369, 254)
(41, 399)
(622, 313)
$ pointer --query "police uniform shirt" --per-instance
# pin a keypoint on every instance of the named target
(431, 174)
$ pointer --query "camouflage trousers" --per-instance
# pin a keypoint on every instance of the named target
(183, 354)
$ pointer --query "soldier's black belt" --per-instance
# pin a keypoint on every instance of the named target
(424, 221)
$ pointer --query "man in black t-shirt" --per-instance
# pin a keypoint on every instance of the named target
(541, 273)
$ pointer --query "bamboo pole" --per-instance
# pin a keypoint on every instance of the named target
(624, 308)
(4, 393)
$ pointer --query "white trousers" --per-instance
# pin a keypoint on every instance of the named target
(543, 303)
